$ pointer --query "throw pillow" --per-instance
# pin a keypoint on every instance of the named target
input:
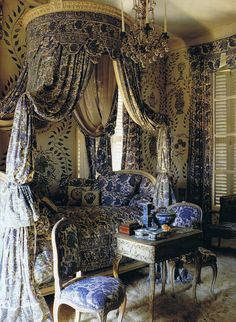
(75, 195)
(90, 198)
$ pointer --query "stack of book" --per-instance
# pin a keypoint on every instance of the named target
(128, 228)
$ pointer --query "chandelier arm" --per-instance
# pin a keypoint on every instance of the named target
(145, 42)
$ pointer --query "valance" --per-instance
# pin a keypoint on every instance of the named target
(96, 33)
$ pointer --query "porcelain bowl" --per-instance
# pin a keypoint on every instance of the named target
(164, 217)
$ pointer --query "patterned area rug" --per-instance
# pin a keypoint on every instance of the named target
(181, 308)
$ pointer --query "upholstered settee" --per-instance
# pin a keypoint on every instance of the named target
(97, 208)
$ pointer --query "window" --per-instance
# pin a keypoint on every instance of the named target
(117, 138)
(224, 178)
(116, 145)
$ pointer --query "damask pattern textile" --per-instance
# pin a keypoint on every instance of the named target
(204, 60)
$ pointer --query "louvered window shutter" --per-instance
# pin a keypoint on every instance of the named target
(224, 179)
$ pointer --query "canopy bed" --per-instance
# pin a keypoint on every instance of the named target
(65, 42)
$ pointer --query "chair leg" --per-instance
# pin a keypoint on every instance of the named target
(56, 309)
(102, 317)
(214, 270)
(77, 316)
(122, 309)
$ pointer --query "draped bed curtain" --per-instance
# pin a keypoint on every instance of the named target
(132, 150)
(129, 83)
(96, 113)
(204, 61)
(50, 87)
(52, 95)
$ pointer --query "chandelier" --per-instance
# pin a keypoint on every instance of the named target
(144, 43)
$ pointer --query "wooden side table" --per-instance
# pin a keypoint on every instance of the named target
(178, 242)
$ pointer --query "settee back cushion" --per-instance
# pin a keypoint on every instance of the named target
(117, 189)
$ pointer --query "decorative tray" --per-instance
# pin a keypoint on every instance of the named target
(151, 233)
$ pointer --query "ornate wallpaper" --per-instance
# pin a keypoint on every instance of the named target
(153, 91)
(55, 154)
(165, 88)
(178, 87)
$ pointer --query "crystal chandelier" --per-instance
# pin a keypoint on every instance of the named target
(144, 43)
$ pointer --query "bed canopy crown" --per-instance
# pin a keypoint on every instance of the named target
(75, 24)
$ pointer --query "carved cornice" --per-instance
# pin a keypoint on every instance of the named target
(87, 6)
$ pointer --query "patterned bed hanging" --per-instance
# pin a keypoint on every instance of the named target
(61, 49)
(204, 61)
(128, 79)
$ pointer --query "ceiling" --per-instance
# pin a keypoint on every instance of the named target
(189, 22)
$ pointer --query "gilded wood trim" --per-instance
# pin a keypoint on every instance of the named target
(141, 172)
(87, 6)
(6, 125)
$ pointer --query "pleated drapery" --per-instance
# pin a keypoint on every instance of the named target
(95, 108)
(96, 115)
(128, 80)
(204, 61)
(50, 94)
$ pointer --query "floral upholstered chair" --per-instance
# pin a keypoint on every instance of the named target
(189, 215)
(98, 294)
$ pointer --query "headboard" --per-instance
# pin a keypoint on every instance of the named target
(141, 172)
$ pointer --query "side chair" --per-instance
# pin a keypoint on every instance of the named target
(91, 294)
(190, 215)
(226, 228)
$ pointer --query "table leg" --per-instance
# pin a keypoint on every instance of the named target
(163, 277)
(152, 277)
(116, 263)
(197, 275)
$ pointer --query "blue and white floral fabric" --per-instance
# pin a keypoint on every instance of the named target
(117, 188)
(187, 215)
(96, 293)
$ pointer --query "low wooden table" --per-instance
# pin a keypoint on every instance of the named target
(178, 242)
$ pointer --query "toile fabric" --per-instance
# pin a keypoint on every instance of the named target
(8, 104)
(132, 152)
(128, 79)
(204, 60)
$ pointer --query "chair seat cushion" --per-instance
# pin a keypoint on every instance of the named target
(225, 230)
(95, 293)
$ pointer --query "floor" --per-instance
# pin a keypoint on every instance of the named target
(227, 247)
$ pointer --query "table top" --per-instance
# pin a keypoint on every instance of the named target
(177, 242)
(175, 234)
